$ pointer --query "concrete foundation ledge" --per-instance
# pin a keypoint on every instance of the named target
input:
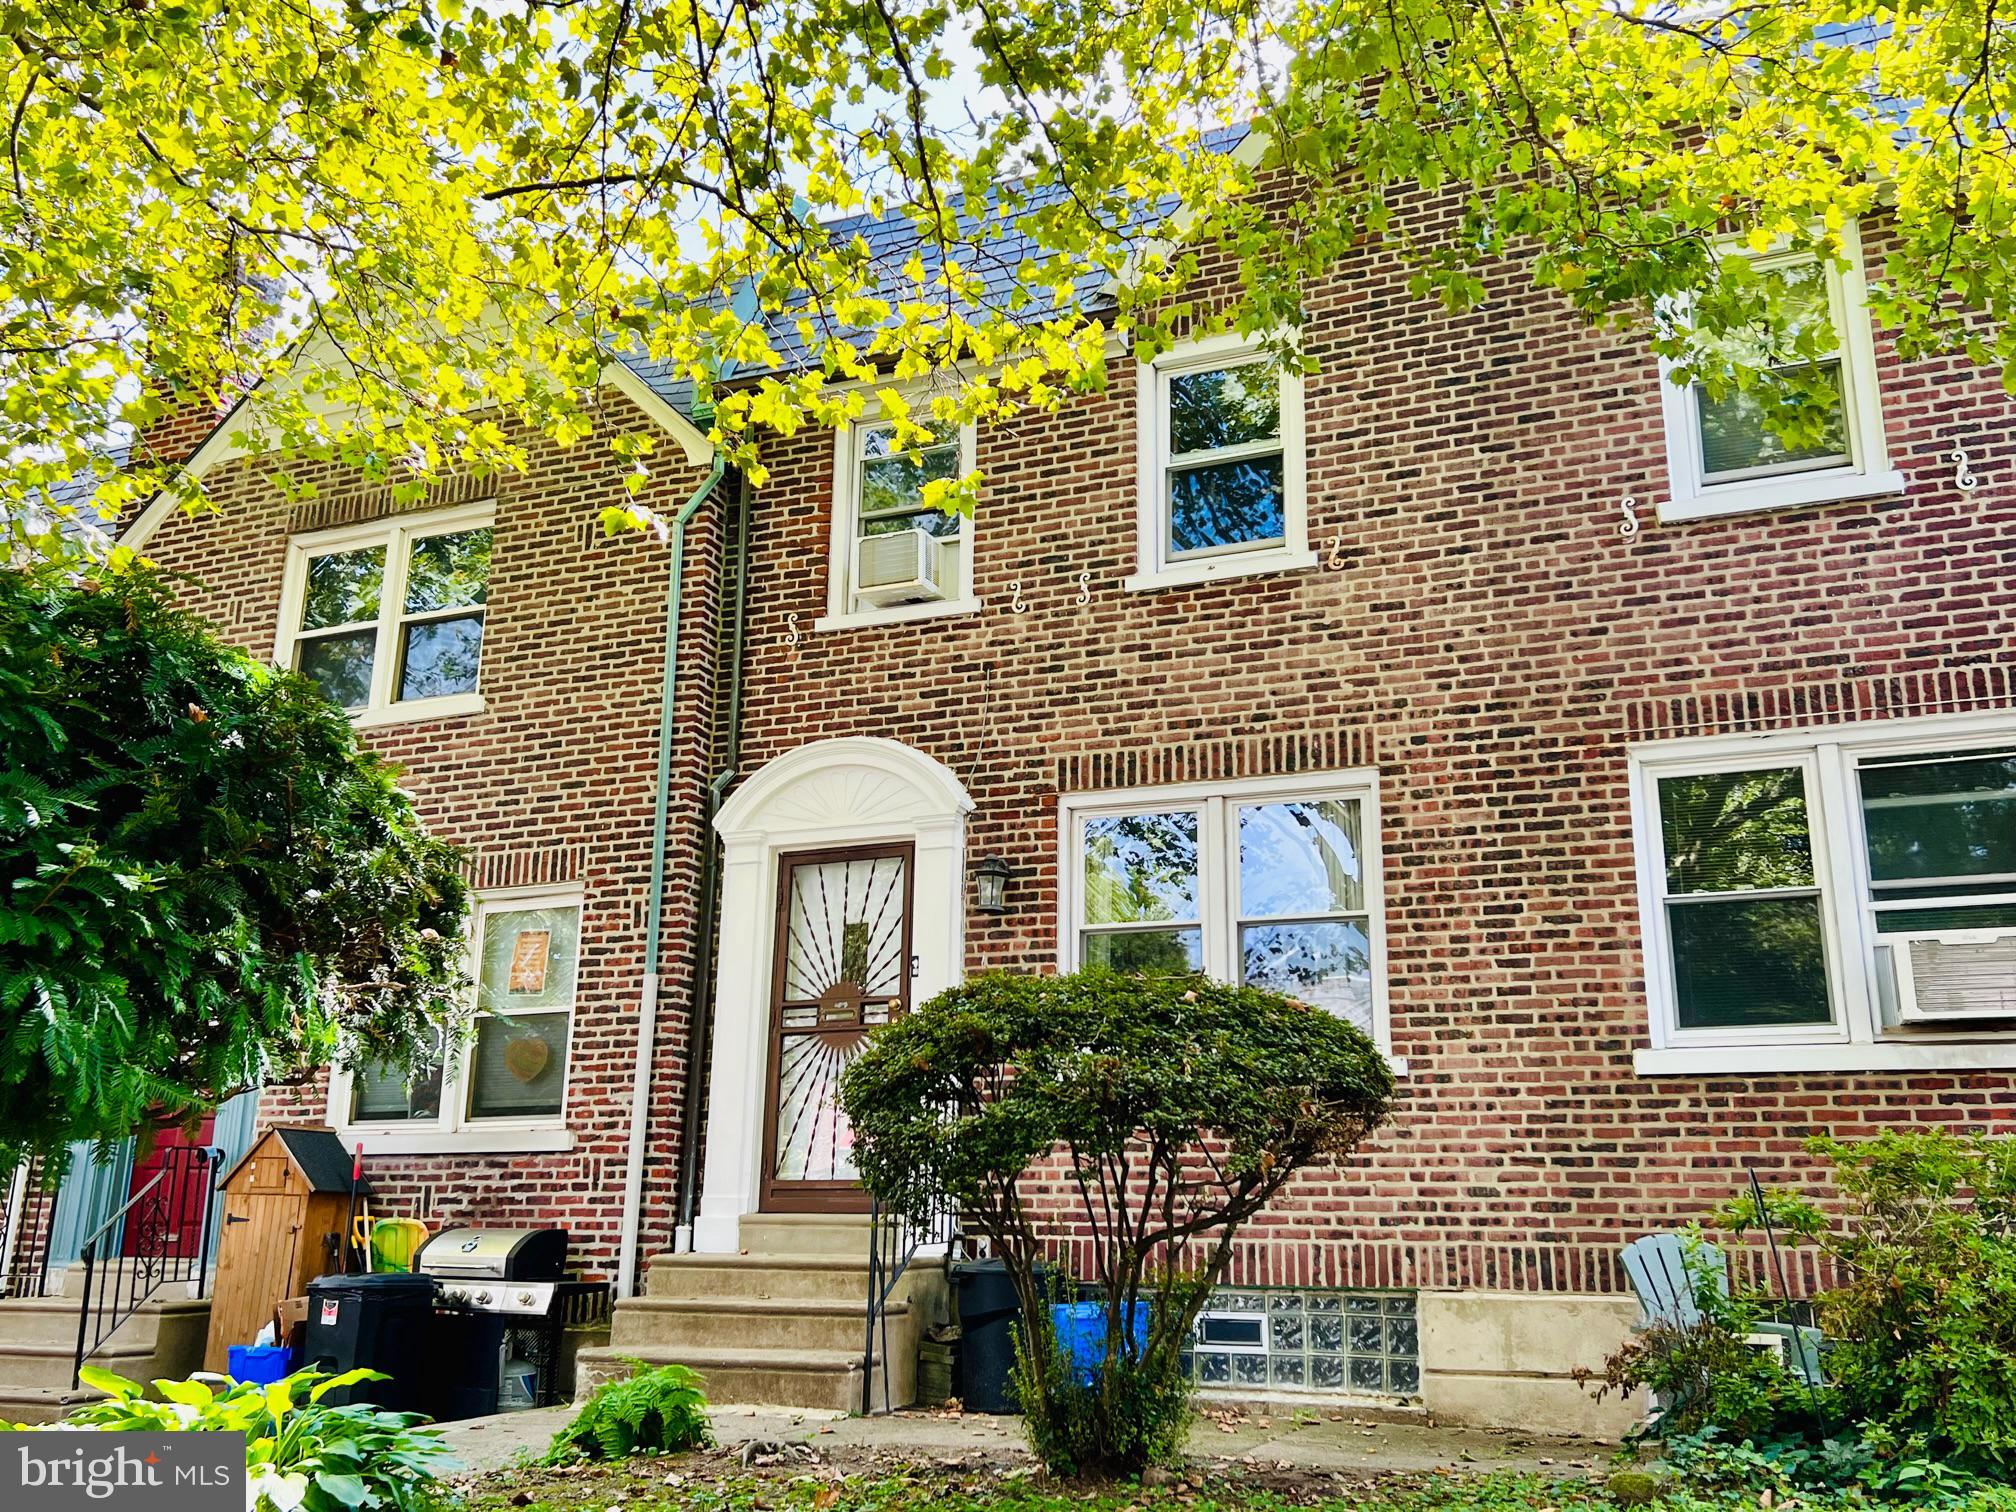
(1507, 1360)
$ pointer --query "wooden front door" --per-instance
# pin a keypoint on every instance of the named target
(842, 967)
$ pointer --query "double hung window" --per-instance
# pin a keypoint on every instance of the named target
(1273, 885)
(508, 1068)
(1221, 472)
(1847, 888)
(388, 619)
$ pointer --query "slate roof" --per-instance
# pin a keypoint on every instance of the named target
(82, 524)
(664, 380)
(891, 239)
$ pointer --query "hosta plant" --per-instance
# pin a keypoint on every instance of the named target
(300, 1453)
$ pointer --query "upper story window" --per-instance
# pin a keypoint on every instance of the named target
(509, 1070)
(388, 618)
(1273, 884)
(1221, 465)
(895, 556)
(1854, 891)
(1752, 448)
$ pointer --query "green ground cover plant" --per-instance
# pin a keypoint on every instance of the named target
(1918, 1398)
(661, 1410)
(899, 1489)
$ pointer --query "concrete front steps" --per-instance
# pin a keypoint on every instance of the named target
(38, 1344)
(782, 1324)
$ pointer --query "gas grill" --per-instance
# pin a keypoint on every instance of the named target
(501, 1306)
(497, 1270)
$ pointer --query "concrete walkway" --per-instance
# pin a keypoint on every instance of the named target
(1279, 1437)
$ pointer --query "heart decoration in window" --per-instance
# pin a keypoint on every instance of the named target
(526, 1056)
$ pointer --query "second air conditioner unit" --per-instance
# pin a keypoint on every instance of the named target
(905, 567)
(1951, 976)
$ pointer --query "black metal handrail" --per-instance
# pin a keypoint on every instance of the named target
(893, 1242)
(154, 1252)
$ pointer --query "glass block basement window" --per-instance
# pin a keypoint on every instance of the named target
(1360, 1343)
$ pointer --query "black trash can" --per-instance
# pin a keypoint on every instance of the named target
(381, 1322)
(988, 1314)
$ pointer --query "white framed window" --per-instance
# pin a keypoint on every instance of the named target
(502, 1085)
(1273, 883)
(1836, 899)
(896, 557)
(1726, 456)
(388, 617)
(1222, 489)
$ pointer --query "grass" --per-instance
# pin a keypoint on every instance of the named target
(655, 1482)
(652, 1482)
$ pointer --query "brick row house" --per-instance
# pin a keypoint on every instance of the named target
(1644, 786)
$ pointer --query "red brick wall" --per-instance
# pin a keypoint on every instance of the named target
(1486, 638)
(183, 425)
(552, 783)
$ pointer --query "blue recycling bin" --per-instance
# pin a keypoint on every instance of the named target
(260, 1364)
(1081, 1333)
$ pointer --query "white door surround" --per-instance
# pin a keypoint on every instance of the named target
(847, 791)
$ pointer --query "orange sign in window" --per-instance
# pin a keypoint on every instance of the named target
(529, 953)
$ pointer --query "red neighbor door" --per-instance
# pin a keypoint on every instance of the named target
(184, 1218)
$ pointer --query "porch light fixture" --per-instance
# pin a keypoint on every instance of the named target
(990, 885)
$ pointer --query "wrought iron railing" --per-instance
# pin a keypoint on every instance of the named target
(893, 1243)
(160, 1237)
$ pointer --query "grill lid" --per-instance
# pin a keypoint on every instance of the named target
(495, 1254)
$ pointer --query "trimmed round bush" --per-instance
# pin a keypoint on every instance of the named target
(1176, 1108)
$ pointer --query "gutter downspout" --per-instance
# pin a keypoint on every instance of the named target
(693, 1103)
(647, 1007)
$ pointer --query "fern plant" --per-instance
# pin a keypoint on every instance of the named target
(662, 1409)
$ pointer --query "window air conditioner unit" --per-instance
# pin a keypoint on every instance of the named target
(904, 567)
(1952, 976)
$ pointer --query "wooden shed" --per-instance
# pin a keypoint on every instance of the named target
(285, 1205)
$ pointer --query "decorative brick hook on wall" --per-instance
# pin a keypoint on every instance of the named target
(1964, 478)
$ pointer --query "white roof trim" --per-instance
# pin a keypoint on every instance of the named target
(218, 446)
(214, 450)
(692, 440)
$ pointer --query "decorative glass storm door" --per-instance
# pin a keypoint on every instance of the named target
(843, 967)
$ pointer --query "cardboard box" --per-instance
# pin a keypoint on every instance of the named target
(290, 1324)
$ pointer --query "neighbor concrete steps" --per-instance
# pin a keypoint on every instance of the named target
(781, 1324)
(38, 1343)
(820, 1380)
(726, 1321)
(41, 1404)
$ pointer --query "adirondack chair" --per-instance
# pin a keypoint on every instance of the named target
(1665, 1270)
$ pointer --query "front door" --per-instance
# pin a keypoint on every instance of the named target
(842, 967)
(184, 1192)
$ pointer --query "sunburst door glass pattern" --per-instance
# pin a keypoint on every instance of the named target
(845, 971)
